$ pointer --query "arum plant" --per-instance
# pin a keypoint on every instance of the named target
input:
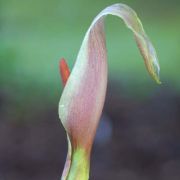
(84, 91)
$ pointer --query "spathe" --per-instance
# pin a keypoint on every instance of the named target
(83, 97)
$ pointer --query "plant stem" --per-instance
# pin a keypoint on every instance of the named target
(79, 169)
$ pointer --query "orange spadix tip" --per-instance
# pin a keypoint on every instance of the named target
(64, 71)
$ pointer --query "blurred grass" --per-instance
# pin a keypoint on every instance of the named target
(34, 35)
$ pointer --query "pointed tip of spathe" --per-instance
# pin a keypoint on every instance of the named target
(155, 74)
(158, 81)
(156, 77)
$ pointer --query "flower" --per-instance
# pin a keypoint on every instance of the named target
(82, 100)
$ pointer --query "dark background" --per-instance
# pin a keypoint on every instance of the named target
(139, 134)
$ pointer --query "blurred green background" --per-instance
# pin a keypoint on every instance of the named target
(35, 34)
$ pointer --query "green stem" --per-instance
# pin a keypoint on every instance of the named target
(79, 169)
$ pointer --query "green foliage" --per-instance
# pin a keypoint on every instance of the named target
(35, 34)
